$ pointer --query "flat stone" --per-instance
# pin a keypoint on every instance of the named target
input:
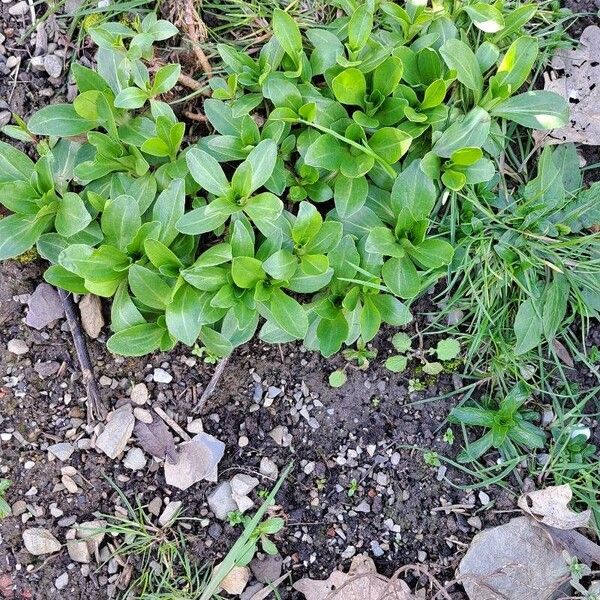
(92, 532)
(45, 306)
(90, 306)
(53, 66)
(139, 394)
(236, 580)
(46, 369)
(268, 468)
(221, 501)
(195, 426)
(19, 9)
(62, 581)
(169, 513)
(78, 551)
(134, 459)
(40, 541)
(242, 484)
(267, 569)
(161, 376)
(62, 450)
(18, 347)
(198, 459)
(143, 415)
(117, 433)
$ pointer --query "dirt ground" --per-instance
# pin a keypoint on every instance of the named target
(402, 510)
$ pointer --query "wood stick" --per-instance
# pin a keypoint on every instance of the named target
(95, 407)
(170, 422)
(212, 384)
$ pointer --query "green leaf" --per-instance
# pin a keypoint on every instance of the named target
(556, 301)
(401, 277)
(149, 288)
(350, 194)
(166, 77)
(387, 75)
(393, 312)
(415, 191)
(401, 341)
(246, 271)
(485, 17)
(360, 27)
(123, 312)
(287, 33)
(131, 97)
(169, 209)
(331, 334)
(432, 253)
(370, 320)
(390, 144)
(288, 314)
(72, 215)
(350, 86)
(121, 220)
(432, 368)
(396, 364)
(528, 327)
(281, 265)
(215, 342)
(137, 340)
(60, 120)
(182, 315)
(470, 132)
(539, 109)
(447, 349)
(337, 378)
(59, 277)
(14, 165)
(326, 152)
(458, 56)
(207, 172)
(516, 65)
(262, 158)
(471, 415)
(19, 233)
(200, 220)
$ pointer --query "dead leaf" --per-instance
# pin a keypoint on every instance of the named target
(92, 320)
(236, 580)
(156, 439)
(550, 507)
(563, 353)
(517, 560)
(580, 86)
(267, 591)
(45, 307)
(197, 460)
(576, 544)
(362, 582)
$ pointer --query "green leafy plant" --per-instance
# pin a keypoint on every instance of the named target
(446, 350)
(5, 509)
(509, 426)
(310, 211)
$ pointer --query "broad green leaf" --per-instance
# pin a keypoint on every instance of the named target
(19, 233)
(331, 334)
(387, 75)
(207, 172)
(166, 77)
(59, 277)
(350, 194)
(287, 33)
(396, 364)
(458, 56)
(469, 132)
(262, 158)
(392, 311)
(168, 210)
(149, 288)
(72, 215)
(60, 120)
(370, 320)
(182, 315)
(14, 165)
(123, 312)
(246, 271)
(485, 17)
(326, 152)
(528, 327)
(432, 253)
(215, 342)
(390, 144)
(447, 349)
(200, 220)
(401, 277)
(121, 220)
(288, 314)
(360, 26)
(556, 301)
(516, 65)
(327, 48)
(350, 86)
(539, 109)
(337, 378)
(137, 340)
(130, 98)
(415, 191)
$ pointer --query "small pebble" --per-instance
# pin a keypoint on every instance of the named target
(19, 9)
(161, 376)
(18, 347)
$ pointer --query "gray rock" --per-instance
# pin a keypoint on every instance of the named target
(116, 434)
(53, 66)
(19, 9)
(62, 581)
(363, 507)
(139, 394)
(143, 415)
(221, 501)
(268, 468)
(90, 306)
(62, 451)
(18, 347)
(79, 551)
(161, 376)
(92, 532)
(242, 484)
(46, 369)
(198, 459)
(134, 459)
(517, 560)
(45, 306)
(40, 541)
(168, 514)
(267, 569)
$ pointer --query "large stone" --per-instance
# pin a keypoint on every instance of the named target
(169, 513)
(62, 451)
(198, 459)
(45, 307)
(40, 541)
(267, 569)
(236, 580)
(134, 459)
(79, 551)
(515, 561)
(117, 433)
(221, 501)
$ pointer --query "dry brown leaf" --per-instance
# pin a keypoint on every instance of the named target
(579, 84)
(92, 320)
(362, 582)
(156, 439)
(550, 507)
